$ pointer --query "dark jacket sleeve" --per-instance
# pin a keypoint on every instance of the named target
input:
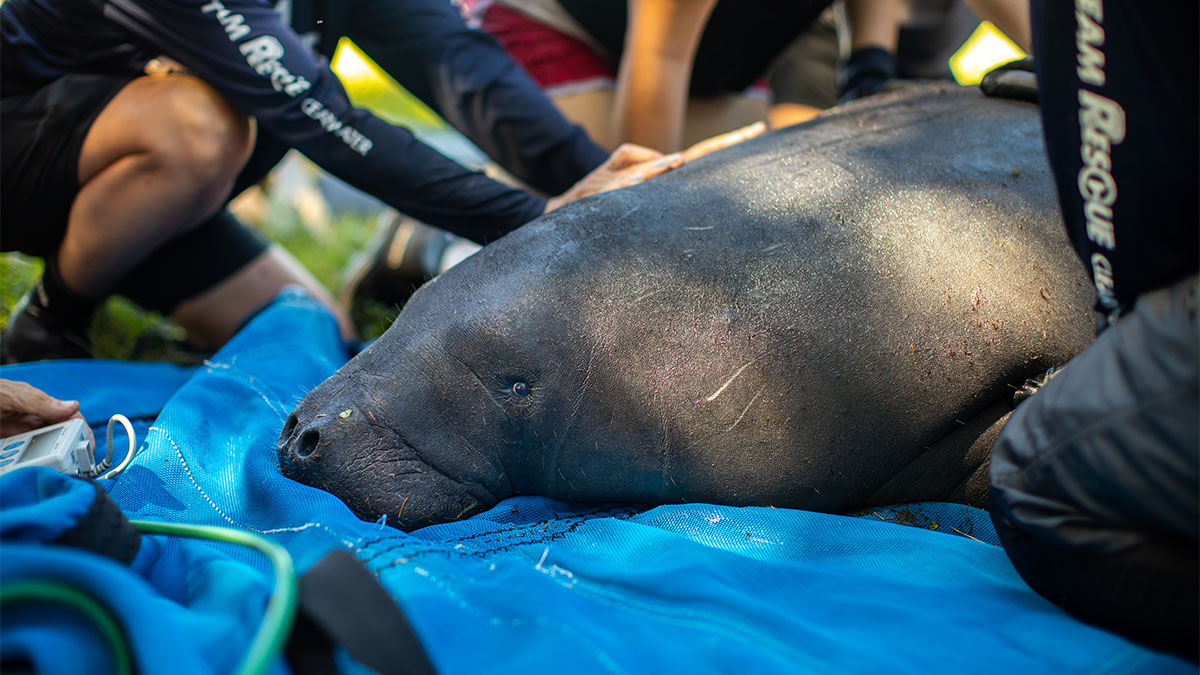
(244, 50)
(468, 79)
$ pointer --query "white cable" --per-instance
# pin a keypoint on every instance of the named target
(129, 454)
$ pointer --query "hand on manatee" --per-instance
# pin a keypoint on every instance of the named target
(24, 407)
(632, 164)
(629, 165)
(724, 140)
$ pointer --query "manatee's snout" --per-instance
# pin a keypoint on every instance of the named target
(297, 443)
(309, 445)
(383, 461)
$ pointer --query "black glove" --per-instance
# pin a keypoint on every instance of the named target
(865, 73)
(1015, 79)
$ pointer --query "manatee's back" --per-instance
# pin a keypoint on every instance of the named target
(833, 305)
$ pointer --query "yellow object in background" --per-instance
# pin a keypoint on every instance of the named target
(985, 49)
(370, 87)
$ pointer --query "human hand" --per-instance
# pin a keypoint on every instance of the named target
(701, 148)
(632, 164)
(24, 407)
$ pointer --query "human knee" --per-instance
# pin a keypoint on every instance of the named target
(204, 139)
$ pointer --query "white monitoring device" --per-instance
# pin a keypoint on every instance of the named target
(64, 447)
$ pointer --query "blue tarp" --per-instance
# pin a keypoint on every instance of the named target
(533, 583)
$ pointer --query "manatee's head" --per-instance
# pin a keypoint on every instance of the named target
(467, 399)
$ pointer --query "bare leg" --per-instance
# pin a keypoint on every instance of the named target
(874, 23)
(786, 114)
(656, 68)
(159, 159)
(1010, 16)
(212, 317)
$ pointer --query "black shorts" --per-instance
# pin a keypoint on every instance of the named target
(41, 137)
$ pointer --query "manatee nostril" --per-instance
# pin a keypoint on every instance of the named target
(289, 426)
(307, 444)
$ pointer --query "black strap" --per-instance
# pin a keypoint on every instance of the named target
(343, 604)
(103, 529)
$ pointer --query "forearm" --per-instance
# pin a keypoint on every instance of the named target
(468, 79)
(652, 85)
(263, 68)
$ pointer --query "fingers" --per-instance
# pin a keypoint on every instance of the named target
(22, 405)
(91, 436)
(630, 154)
(631, 164)
(650, 170)
(724, 140)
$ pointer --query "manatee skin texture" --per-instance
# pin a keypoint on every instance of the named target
(829, 317)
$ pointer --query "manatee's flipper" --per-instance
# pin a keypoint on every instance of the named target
(954, 468)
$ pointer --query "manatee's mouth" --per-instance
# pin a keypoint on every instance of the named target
(375, 472)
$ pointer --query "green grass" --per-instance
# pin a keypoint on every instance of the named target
(17, 274)
(123, 330)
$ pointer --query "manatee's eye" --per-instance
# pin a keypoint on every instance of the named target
(520, 389)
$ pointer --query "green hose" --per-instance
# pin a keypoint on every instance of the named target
(268, 641)
(281, 610)
(48, 591)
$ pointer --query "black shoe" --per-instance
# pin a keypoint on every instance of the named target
(28, 337)
(401, 256)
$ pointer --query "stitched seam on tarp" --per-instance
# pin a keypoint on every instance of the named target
(195, 484)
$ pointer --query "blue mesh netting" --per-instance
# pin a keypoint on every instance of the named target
(535, 583)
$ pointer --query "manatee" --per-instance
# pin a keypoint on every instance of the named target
(829, 317)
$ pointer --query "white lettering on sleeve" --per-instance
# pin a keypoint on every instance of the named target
(1101, 128)
(263, 54)
(353, 138)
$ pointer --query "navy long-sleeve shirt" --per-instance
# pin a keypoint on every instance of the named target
(271, 62)
(1117, 86)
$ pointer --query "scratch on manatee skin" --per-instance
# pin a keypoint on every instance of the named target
(772, 247)
(713, 396)
(699, 229)
(746, 409)
(646, 295)
(577, 404)
(377, 404)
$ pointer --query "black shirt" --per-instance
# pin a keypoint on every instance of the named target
(271, 62)
(1118, 84)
